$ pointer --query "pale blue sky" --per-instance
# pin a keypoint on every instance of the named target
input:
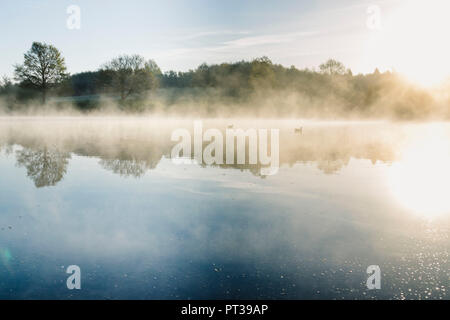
(181, 34)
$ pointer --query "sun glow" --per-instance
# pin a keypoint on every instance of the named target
(421, 180)
(413, 41)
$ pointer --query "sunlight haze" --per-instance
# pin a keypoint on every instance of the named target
(184, 34)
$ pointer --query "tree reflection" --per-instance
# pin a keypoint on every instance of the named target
(126, 168)
(6, 149)
(332, 166)
(45, 167)
(130, 148)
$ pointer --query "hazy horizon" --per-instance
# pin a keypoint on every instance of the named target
(180, 36)
(225, 150)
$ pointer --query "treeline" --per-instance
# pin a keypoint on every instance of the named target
(252, 87)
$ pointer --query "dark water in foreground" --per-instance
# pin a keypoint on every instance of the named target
(103, 194)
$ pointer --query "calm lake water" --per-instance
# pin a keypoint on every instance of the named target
(103, 194)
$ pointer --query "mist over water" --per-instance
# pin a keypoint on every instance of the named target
(103, 193)
(399, 101)
(194, 151)
(257, 88)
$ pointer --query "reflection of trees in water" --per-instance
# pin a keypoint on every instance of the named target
(332, 166)
(131, 150)
(126, 168)
(45, 167)
(332, 157)
(6, 149)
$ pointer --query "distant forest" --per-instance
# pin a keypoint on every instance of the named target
(257, 87)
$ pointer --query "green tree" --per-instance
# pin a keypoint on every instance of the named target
(43, 68)
(332, 67)
(5, 82)
(5, 85)
(262, 75)
(132, 74)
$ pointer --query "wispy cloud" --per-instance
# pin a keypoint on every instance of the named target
(205, 34)
(239, 47)
(266, 39)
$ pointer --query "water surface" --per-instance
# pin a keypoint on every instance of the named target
(103, 194)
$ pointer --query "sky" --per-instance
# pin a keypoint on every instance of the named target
(182, 34)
